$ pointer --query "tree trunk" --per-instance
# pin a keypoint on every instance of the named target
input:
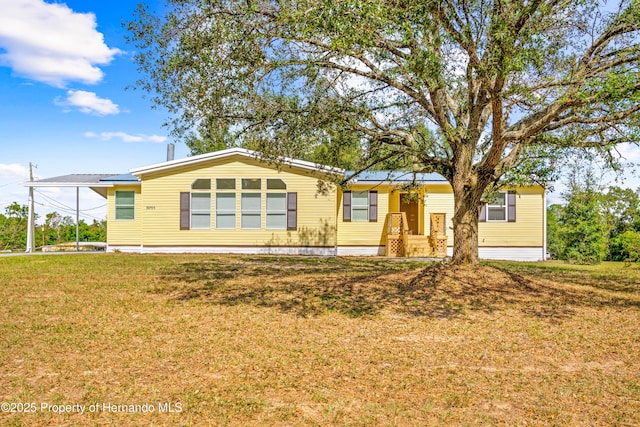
(465, 233)
(467, 199)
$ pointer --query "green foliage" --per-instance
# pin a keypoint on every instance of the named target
(626, 246)
(594, 225)
(55, 229)
(583, 229)
(555, 245)
(622, 210)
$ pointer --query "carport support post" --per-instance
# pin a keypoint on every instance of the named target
(77, 219)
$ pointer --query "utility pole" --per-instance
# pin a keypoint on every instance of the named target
(77, 219)
(31, 222)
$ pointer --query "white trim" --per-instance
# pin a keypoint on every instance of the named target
(216, 155)
(78, 184)
(124, 248)
(544, 224)
(503, 253)
(360, 250)
(254, 250)
(533, 253)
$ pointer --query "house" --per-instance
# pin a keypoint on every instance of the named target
(231, 201)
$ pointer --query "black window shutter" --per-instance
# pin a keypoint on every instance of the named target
(292, 211)
(373, 206)
(184, 210)
(483, 213)
(511, 206)
(346, 206)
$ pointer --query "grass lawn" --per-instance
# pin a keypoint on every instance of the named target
(232, 340)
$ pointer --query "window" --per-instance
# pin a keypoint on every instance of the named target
(501, 209)
(277, 211)
(276, 184)
(360, 206)
(200, 210)
(201, 184)
(250, 206)
(125, 204)
(276, 205)
(497, 209)
(251, 183)
(225, 183)
(225, 210)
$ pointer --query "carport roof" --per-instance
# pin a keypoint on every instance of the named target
(84, 180)
(98, 182)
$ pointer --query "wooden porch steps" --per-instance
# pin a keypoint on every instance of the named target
(400, 241)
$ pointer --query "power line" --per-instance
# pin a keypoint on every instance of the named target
(63, 206)
(68, 211)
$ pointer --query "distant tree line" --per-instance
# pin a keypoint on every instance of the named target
(595, 224)
(53, 230)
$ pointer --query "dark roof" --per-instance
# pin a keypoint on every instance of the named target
(83, 180)
(80, 178)
(394, 176)
(125, 177)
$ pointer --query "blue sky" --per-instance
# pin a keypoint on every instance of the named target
(64, 106)
(64, 70)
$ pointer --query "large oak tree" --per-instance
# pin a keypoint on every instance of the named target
(476, 90)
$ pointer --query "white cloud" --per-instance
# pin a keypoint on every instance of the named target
(629, 152)
(89, 103)
(13, 170)
(51, 43)
(125, 137)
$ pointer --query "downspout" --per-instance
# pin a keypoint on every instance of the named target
(337, 211)
(544, 224)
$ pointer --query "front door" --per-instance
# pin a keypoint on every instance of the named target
(410, 207)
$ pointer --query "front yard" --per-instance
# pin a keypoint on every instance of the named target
(115, 339)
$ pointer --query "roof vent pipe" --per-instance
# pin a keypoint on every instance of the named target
(170, 151)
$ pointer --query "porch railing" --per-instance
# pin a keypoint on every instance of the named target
(400, 241)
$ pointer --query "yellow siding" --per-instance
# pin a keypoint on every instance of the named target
(526, 231)
(157, 212)
(528, 228)
(364, 233)
(439, 199)
(124, 232)
(394, 201)
(161, 210)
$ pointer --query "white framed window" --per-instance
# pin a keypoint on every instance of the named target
(497, 209)
(360, 206)
(125, 205)
(200, 210)
(225, 211)
(225, 183)
(251, 184)
(250, 211)
(276, 184)
(276, 211)
(201, 184)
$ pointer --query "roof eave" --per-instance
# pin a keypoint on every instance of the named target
(78, 184)
(158, 167)
(64, 184)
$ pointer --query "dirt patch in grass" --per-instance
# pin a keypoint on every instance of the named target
(317, 341)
